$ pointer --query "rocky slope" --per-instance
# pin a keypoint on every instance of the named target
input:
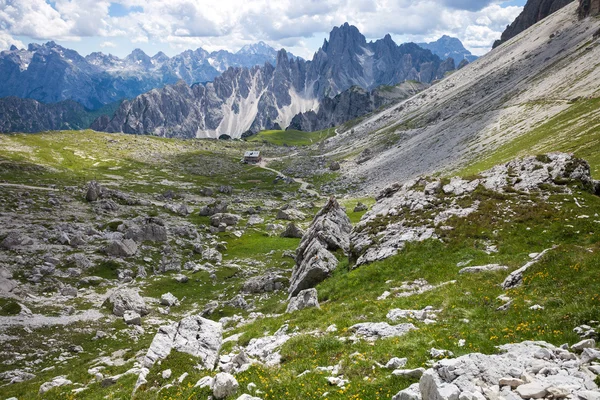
(50, 73)
(540, 75)
(353, 103)
(262, 98)
(534, 11)
(449, 47)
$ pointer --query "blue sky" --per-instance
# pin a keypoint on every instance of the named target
(171, 26)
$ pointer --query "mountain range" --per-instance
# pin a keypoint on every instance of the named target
(266, 97)
(50, 73)
(449, 47)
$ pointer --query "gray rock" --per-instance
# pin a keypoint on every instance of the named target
(54, 383)
(409, 373)
(248, 397)
(483, 268)
(69, 291)
(380, 330)
(224, 385)
(269, 282)
(396, 363)
(267, 348)
(180, 209)
(584, 344)
(360, 207)
(118, 248)
(193, 335)
(224, 218)
(329, 231)
(146, 230)
(14, 240)
(433, 388)
(533, 390)
(212, 255)
(132, 318)
(124, 299)
(307, 298)
(16, 376)
(94, 191)
(515, 278)
(410, 393)
(292, 231)
(7, 285)
(291, 214)
(237, 302)
(215, 208)
(169, 300)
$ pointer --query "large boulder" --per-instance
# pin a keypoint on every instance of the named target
(292, 231)
(121, 248)
(329, 232)
(194, 335)
(122, 300)
(146, 229)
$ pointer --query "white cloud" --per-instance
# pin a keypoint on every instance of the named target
(108, 44)
(7, 40)
(230, 24)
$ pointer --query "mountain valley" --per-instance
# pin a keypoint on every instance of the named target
(420, 232)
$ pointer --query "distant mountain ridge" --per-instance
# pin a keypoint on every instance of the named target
(259, 98)
(447, 46)
(51, 73)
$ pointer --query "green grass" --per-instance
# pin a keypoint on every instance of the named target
(575, 130)
(292, 137)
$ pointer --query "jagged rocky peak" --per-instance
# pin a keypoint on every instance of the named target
(534, 11)
(448, 46)
(257, 48)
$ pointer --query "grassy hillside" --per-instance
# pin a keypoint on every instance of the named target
(575, 130)
(292, 138)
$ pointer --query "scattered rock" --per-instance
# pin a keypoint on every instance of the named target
(224, 218)
(125, 299)
(380, 330)
(193, 335)
(360, 207)
(305, 299)
(169, 300)
(396, 363)
(54, 383)
(269, 282)
(483, 268)
(292, 231)
(291, 214)
(224, 385)
(132, 318)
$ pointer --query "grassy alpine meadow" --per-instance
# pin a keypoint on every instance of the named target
(292, 137)
(562, 284)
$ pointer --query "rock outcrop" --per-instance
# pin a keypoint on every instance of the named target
(122, 300)
(193, 335)
(328, 232)
(534, 11)
(388, 226)
(523, 370)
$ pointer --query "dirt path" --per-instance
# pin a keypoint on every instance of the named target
(303, 184)
(37, 321)
(20, 186)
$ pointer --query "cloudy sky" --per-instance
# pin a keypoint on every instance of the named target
(119, 26)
